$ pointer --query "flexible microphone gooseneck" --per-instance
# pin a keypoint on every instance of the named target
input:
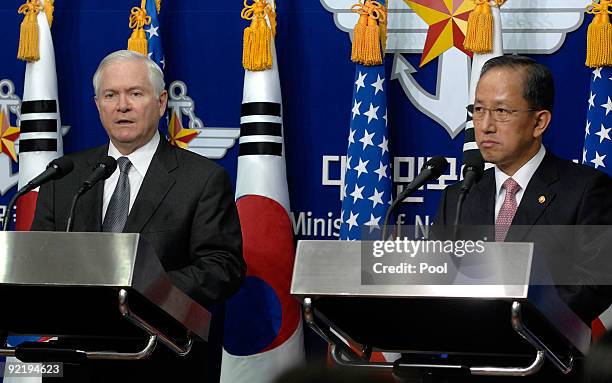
(432, 169)
(56, 169)
(472, 172)
(101, 171)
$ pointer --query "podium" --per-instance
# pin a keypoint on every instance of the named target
(92, 286)
(494, 325)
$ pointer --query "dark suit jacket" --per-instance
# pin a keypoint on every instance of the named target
(574, 195)
(184, 208)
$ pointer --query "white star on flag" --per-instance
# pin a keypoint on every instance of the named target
(367, 139)
(152, 30)
(592, 100)
(352, 221)
(360, 81)
(376, 198)
(373, 221)
(351, 138)
(356, 194)
(608, 106)
(361, 168)
(384, 145)
(378, 85)
(381, 171)
(588, 128)
(603, 133)
(372, 115)
(598, 160)
(355, 109)
(597, 73)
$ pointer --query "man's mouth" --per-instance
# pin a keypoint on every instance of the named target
(124, 122)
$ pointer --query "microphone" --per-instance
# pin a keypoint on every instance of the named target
(472, 172)
(56, 169)
(101, 171)
(432, 169)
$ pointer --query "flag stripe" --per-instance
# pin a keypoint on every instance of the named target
(39, 106)
(261, 128)
(270, 148)
(38, 145)
(469, 135)
(260, 108)
(36, 126)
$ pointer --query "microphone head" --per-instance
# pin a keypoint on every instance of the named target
(437, 165)
(109, 164)
(474, 163)
(62, 166)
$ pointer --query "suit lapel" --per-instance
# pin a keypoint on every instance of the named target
(480, 203)
(537, 198)
(155, 185)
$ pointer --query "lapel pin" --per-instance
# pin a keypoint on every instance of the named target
(542, 199)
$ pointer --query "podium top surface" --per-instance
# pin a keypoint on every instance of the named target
(341, 268)
(75, 278)
(74, 259)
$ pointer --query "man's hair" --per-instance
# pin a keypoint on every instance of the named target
(155, 74)
(538, 84)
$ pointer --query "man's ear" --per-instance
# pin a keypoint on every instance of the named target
(97, 101)
(163, 101)
(542, 120)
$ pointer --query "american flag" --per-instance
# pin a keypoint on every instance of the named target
(156, 53)
(597, 140)
(598, 146)
(366, 194)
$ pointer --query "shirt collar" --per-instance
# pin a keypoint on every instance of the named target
(141, 157)
(523, 175)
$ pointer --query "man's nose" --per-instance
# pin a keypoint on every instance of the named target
(487, 123)
(123, 103)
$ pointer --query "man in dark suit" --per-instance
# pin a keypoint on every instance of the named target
(529, 185)
(180, 202)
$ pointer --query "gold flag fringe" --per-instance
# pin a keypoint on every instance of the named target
(256, 49)
(138, 19)
(599, 35)
(479, 35)
(369, 36)
(28, 39)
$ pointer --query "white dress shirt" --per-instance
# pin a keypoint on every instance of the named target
(522, 177)
(140, 159)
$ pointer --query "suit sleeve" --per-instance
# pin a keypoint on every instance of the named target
(592, 293)
(217, 267)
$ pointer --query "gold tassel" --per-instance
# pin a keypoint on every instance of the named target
(383, 29)
(257, 45)
(138, 19)
(599, 35)
(49, 8)
(158, 6)
(479, 35)
(28, 39)
(368, 35)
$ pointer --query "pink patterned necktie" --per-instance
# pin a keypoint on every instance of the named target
(508, 209)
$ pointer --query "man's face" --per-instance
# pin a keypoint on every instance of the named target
(128, 108)
(509, 144)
